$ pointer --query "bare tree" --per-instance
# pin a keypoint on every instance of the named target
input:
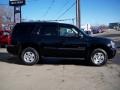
(6, 12)
(6, 15)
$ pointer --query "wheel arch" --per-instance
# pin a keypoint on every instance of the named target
(93, 47)
(35, 46)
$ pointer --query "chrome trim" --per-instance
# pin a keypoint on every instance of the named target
(77, 49)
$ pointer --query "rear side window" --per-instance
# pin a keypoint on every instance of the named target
(49, 30)
(23, 28)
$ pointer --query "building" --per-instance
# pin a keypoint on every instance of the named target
(114, 25)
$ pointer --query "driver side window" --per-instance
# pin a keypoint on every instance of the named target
(68, 32)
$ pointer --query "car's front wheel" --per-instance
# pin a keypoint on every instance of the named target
(30, 56)
(99, 57)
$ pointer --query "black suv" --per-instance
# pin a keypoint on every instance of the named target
(33, 40)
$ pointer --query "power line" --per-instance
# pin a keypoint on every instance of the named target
(62, 19)
(66, 3)
(31, 0)
(66, 10)
(45, 14)
(48, 9)
(63, 6)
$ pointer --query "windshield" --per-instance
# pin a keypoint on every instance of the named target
(81, 31)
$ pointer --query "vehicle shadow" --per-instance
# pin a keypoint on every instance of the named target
(5, 57)
(63, 62)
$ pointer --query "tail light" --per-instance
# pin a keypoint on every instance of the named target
(9, 40)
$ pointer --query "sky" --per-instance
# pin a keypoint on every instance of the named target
(94, 12)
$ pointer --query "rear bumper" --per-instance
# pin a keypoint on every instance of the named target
(13, 49)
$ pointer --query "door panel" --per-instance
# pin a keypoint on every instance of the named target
(49, 39)
(49, 46)
(72, 44)
(73, 47)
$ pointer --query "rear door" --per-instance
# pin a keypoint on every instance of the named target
(49, 39)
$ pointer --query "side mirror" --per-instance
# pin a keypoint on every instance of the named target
(80, 35)
(88, 33)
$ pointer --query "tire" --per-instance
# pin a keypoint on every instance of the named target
(29, 56)
(2, 46)
(98, 57)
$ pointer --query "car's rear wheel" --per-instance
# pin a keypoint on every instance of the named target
(98, 57)
(30, 56)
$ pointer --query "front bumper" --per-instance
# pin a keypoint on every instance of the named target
(112, 53)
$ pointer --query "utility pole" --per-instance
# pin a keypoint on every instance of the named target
(20, 15)
(17, 10)
(14, 14)
(78, 20)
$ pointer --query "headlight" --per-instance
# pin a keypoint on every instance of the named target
(111, 44)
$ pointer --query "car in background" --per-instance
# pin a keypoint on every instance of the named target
(4, 37)
(95, 31)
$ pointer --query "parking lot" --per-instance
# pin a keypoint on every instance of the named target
(59, 74)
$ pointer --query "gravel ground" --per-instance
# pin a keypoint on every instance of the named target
(58, 74)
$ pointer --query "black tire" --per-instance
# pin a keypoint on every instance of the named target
(2, 46)
(98, 57)
(29, 56)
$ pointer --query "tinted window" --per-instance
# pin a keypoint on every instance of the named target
(48, 30)
(24, 28)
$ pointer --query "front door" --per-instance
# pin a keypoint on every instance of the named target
(71, 44)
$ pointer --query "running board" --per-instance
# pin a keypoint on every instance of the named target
(62, 58)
